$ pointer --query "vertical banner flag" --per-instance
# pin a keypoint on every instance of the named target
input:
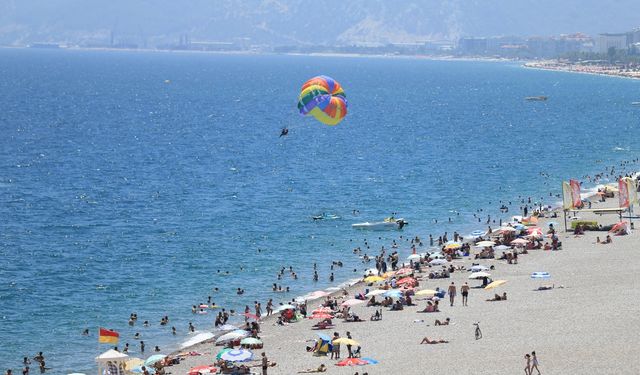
(632, 188)
(623, 195)
(567, 202)
(108, 337)
(575, 193)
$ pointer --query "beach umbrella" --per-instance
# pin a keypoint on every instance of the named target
(320, 310)
(479, 275)
(426, 292)
(153, 359)
(352, 302)
(220, 353)
(323, 337)
(407, 282)
(227, 327)
(478, 268)
(403, 272)
(375, 292)
(321, 316)
(393, 293)
(373, 279)
(619, 226)
(413, 257)
(540, 275)
(352, 362)
(438, 262)
(453, 246)
(501, 248)
(345, 341)
(520, 241)
(507, 229)
(485, 243)
(237, 355)
(200, 337)
(234, 335)
(436, 255)
(286, 307)
(250, 341)
(495, 284)
(206, 369)
(370, 361)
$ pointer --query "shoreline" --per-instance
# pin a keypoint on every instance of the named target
(598, 70)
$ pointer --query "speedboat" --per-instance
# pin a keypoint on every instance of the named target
(389, 223)
(536, 98)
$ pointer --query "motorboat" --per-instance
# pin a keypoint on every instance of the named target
(389, 223)
(536, 98)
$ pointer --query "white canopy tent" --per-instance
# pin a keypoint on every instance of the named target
(111, 362)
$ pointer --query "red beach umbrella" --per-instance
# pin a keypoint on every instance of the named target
(407, 280)
(352, 362)
(322, 310)
(321, 316)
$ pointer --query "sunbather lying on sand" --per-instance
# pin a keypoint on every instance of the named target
(497, 297)
(322, 368)
(427, 341)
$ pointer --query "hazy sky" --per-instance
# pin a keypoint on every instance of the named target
(280, 22)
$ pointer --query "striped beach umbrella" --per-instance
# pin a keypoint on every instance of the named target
(237, 355)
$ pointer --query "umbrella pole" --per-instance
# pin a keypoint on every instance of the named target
(565, 220)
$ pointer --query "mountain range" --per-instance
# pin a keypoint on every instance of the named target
(300, 22)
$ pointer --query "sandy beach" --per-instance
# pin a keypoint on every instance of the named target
(600, 70)
(583, 327)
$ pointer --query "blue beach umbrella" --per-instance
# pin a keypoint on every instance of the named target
(540, 275)
(370, 360)
(138, 370)
(153, 359)
(393, 294)
(237, 355)
(323, 337)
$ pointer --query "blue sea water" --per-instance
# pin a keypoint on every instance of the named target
(120, 192)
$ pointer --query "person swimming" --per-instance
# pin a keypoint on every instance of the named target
(284, 132)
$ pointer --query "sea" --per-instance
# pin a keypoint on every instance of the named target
(138, 182)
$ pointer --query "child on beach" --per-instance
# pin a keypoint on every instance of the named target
(527, 367)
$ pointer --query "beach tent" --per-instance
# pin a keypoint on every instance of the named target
(322, 346)
(112, 360)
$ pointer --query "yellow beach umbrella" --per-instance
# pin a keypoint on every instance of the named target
(495, 284)
(426, 292)
(133, 363)
(345, 341)
(373, 279)
(453, 246)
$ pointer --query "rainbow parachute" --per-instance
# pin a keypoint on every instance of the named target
(323, 98)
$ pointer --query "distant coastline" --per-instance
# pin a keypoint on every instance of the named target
(598, 69)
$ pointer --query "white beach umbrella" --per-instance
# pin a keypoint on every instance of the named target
(375, 292)
(413, 257)
(485, 243)
(237, 355)
(479, 275)
(286, 307)
(200, 337)
(227, 327)
(237, 334)
(501, 248)
(352, 302)
(438, 262)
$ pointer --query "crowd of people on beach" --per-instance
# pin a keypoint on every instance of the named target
(386, 260)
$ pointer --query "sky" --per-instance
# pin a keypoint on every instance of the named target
(297, 22)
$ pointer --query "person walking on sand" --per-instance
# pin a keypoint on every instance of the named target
(534, 363)
(465, 293)
(265, 363)
(527, 367)
(452, 293)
